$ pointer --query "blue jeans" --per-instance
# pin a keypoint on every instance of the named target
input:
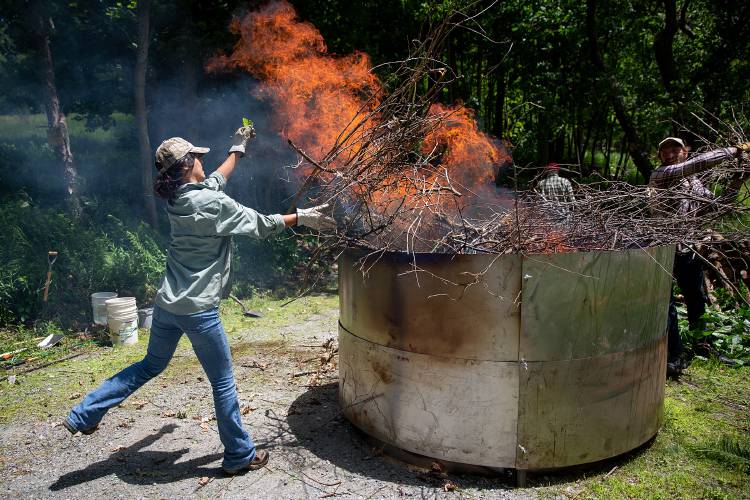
(206, 334)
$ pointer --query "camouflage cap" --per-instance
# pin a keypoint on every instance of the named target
(174, 149)
(676, 140)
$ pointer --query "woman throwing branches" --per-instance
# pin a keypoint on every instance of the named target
(203, 219)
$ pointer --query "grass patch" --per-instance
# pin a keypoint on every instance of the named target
(269, 327)
(51, 391)
(697, 454)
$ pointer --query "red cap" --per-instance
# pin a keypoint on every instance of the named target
(552, 166)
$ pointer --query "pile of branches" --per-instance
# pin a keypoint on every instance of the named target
(391, 191)
(608, 216)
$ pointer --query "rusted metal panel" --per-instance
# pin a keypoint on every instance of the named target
(580, 305)
(462, 306)
(583, 410)
(460, 410)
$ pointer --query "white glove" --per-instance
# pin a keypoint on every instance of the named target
(241, 138)
(314, 218)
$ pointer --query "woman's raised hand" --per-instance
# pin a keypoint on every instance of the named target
(241, 138)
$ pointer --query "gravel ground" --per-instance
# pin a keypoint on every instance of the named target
(163, 442)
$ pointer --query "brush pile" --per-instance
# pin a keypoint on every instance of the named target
(395, 186)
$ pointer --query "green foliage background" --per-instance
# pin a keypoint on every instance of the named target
(94, 256)
(524, 67)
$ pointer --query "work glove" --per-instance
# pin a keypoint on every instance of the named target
(745, 147)
(241, 138)
(314, 218)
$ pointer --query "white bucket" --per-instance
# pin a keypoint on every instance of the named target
(122, 317)
(99, 307)
(145, 316)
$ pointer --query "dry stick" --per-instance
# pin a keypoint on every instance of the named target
(384, 165)
(274, 349)
(310, 177)
(45, 365)
(723, 278)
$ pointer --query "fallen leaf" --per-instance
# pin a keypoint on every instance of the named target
(204, 480)
(247, 409)
(169, 413)
(75, 395)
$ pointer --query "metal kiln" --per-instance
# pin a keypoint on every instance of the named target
(547, 361)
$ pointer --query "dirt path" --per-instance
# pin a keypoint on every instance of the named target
(163, 442)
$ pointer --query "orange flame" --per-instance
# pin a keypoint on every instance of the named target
(469, 154)
(316, 95)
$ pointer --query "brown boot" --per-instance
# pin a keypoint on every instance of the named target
(260, 460)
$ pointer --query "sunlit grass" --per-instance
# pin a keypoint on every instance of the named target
(49, 392)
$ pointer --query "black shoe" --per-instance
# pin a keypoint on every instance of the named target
(674, 368)
(71, 428)
(260, 460)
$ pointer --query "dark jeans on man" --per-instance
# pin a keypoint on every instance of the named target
(688, 272)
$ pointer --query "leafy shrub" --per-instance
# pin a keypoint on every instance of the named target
(726, 332)
(108, 255)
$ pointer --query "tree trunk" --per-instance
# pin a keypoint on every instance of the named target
(635, 146)
(585, 146)
(608, 147)
(478, 79)
(663, 43)
(499, 129)
(452, 64)
(141, 116)
(58, 135)
(489, 104)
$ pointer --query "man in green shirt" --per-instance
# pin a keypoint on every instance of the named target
(203, 219)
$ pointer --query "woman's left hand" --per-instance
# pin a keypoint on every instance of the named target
(241, 138)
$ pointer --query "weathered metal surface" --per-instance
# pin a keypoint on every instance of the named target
(431, 309)
(579, 305)
(460, 410)
(573, 375)
(584, 410)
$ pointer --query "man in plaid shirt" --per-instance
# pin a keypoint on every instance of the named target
(553, 187)
(677, 171)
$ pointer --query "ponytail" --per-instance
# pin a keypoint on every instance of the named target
(171, 178)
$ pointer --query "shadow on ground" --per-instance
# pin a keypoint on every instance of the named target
(315, 421)
(318, 426)
(135, 466)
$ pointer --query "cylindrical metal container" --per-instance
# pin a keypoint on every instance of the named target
(526, 362)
